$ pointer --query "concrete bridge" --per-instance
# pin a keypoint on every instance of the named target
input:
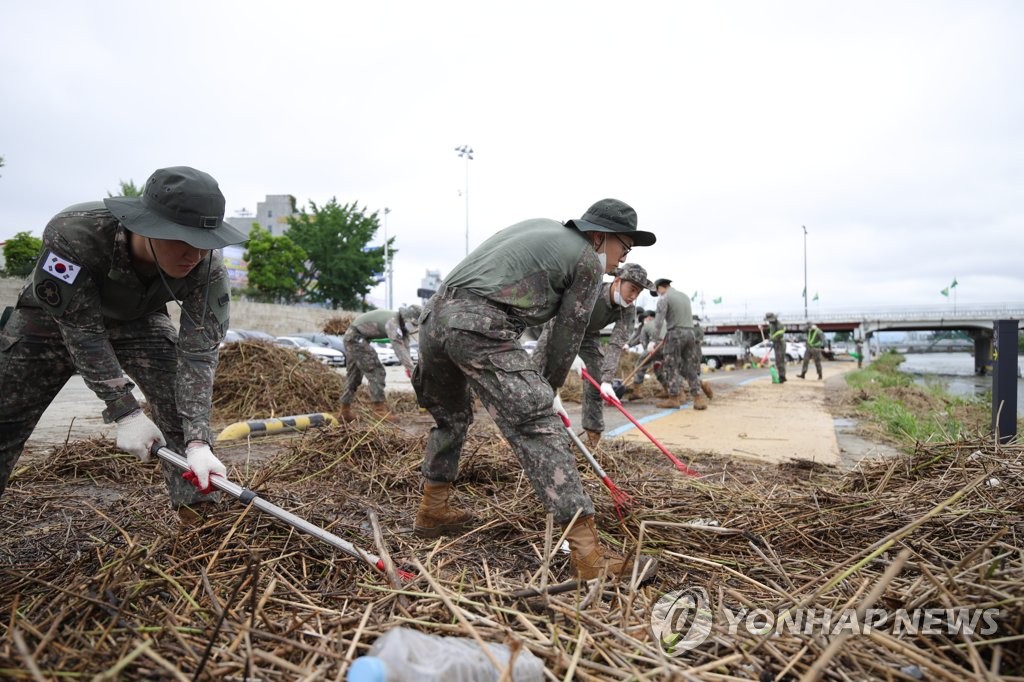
(976, 320)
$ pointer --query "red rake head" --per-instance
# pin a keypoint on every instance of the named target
(620, 499)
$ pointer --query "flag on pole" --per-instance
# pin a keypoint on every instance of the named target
(953, 285)
(694, 297)
(803, 294)
(717, 300)
(815, 296)
(945, 292)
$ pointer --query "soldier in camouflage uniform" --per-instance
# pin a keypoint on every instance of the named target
(524, 275)
(680, 346)
(648, 337)
(614, 305)
(96, 303)
(698, 339)
(361, 359)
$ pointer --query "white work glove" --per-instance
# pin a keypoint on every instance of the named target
(650, 346)
(136, 434)
(202, 466)
(608, 393)
(560, 411)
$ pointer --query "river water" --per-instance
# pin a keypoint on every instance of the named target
(955, 373)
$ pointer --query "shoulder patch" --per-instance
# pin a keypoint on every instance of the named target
(48, 292)
(223, 300)
(61, 268)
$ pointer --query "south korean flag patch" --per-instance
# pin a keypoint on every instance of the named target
(61, 268)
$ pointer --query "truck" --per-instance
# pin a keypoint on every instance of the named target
(718, 350)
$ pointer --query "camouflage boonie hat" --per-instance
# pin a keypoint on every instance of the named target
(179, 203)
(635, 273)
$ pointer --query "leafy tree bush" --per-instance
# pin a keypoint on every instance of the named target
(21, 253)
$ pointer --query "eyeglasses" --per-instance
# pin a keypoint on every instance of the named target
(625, 246)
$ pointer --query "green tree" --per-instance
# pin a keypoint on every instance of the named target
(128, 189)
(277, 266)
(340, 266)
(20, 253)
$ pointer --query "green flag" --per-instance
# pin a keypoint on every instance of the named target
(953, 285)
(717, 300)
(815, 296)
(694, 297)
(804, 293)
(945, 292)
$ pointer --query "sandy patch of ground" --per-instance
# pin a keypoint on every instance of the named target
(759, 420)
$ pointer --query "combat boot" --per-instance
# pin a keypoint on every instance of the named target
(435, 516)
(671, 402)
(591, 559)
(663, 394)
(382, 412)
(706, 387)
(593, 438)
(346, 414)
(699, 402)
(801, 375)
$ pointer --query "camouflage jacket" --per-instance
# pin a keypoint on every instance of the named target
(383, 324)
(85, 280)
(538, 270)
(605, 313)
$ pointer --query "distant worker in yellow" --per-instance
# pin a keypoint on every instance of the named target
(815, 340)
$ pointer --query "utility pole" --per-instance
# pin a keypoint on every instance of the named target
(466, 152)
(805, 272)
(387, 263)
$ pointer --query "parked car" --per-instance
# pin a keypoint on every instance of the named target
(794, 351)
(414, 351)
(231, 336)
(327, 340)
(328, 356)
(254, 335)
(385, 353)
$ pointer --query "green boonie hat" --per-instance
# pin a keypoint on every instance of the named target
(635, 273)
(617, 217)
(178, 203)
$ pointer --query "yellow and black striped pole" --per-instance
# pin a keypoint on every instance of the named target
(265, 427)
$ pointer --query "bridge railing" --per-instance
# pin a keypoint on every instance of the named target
(937, 313)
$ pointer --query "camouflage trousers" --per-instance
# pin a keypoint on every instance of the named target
(656, 363)
(593, 403)
(35, 365)
(362, 360)
(812, 354)
(780, 358)
(680, 348)
(466, 343)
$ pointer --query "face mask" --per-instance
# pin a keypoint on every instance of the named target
(619, 301)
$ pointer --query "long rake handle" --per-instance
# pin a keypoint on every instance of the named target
(644, 361)
(679, 465)
(247, 496)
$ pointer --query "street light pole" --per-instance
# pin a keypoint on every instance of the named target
(387, 263)
(466, 152)
(805, 272)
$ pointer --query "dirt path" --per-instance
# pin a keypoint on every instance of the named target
(749, 417)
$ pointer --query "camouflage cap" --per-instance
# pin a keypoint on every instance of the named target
(617, 217)
(769, 316)
(178, 203)
(635, 273)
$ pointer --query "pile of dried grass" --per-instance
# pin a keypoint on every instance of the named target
(257, 380)
(339, 323)
(112, 587)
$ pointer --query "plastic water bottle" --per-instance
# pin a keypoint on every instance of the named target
(406, 655)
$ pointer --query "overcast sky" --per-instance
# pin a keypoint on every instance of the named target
(894, 131)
